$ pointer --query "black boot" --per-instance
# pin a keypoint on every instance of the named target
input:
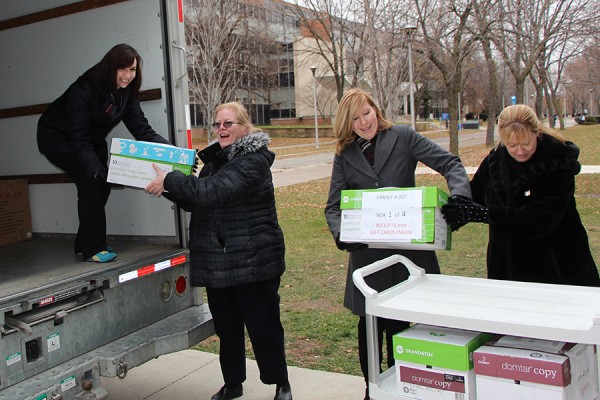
(228, 392)
(283, 392)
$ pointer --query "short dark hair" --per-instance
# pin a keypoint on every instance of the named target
(103, 75)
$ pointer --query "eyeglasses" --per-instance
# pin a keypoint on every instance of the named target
(226, 124)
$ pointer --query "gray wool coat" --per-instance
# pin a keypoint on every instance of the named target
(397, 152)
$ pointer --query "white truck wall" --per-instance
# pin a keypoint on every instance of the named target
(39, 61)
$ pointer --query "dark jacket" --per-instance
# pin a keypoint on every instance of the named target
(235, 236)
(535, 233)
(79, 121)
(397, 152)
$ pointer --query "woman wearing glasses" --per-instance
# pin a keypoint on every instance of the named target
(236, 247)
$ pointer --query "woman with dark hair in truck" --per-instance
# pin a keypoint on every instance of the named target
(72, 135)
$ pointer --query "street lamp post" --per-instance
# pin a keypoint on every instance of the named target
(409, 30)
(313, 70)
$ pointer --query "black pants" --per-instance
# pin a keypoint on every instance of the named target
(92, 195)
(256, 306)
(388, 326)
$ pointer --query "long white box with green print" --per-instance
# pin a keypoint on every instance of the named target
(397, 218)
(131, 161)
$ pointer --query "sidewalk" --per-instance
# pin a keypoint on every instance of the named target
(284, 175)
(192, 374)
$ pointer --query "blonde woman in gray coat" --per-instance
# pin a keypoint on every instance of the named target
(372, 153)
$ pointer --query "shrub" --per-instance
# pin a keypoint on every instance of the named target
(591, 120)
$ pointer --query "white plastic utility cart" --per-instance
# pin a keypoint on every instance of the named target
(543, 311)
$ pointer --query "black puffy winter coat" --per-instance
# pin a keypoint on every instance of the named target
(79, 121)
(535, 232)
(235, 237)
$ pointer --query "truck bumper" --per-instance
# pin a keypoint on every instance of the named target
(79, 378)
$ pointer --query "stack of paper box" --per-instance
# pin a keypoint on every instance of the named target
(520, 368)
(398, 218)
(436, 363)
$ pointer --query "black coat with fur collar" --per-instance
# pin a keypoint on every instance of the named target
(535, 232)
(235, 237)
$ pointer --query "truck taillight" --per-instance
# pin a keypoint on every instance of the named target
(180, 285)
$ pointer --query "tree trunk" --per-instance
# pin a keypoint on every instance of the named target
(492, 99)
(454, 121)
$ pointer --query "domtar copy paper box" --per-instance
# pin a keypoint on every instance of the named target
(436, 363)
(131, 161)
(427, 383)
(396, 218)
(525, 369)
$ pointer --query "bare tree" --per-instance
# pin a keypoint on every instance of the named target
(337, 36)
(486, 24)
(580, 20)
(215, 68)
(528, 28)
(447, 42)
(385, 53)
(582, 77)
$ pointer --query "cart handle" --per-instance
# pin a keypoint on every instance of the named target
(358, 276)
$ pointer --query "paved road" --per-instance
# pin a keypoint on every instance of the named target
(466, 139)
(290, 171)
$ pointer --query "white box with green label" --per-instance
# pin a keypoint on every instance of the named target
(436, 363)
(396, 218)
(131, 161)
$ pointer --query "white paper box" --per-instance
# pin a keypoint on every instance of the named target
(395, 218)
(547, 371)
(131, 161)
(422, 383)
(133, 172)
(436, 363)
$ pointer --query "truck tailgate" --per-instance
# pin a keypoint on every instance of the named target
(29, 268)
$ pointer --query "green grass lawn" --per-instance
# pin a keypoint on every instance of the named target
(320, 332)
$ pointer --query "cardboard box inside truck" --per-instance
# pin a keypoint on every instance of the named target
(15, 215)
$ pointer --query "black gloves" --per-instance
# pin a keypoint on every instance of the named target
(459, 211)
(349, 247)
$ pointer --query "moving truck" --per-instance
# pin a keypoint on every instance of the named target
(64, 322)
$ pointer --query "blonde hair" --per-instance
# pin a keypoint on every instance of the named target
(518, 121)
(352, 100)
(241, 114)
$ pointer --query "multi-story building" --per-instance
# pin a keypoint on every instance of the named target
(279, 86)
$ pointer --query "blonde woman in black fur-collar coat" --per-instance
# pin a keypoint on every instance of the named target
(525, 190)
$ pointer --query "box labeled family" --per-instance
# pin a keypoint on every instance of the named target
(399, 218)
(131, 161)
